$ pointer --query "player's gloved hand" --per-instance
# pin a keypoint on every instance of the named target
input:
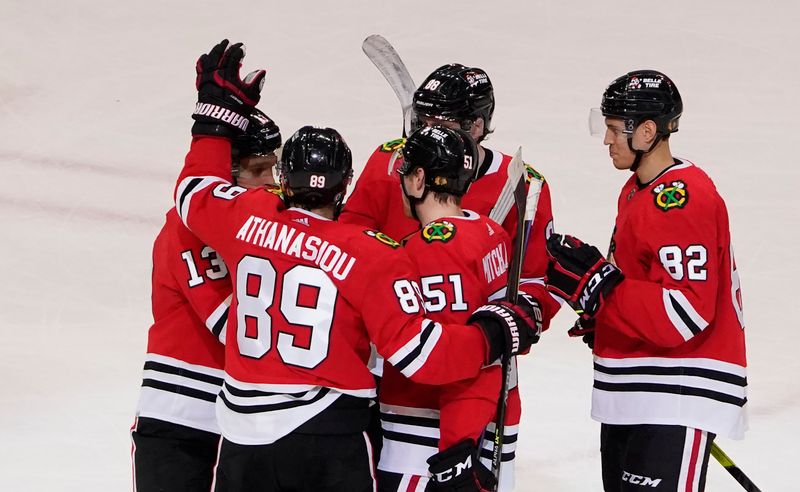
(584, 327)
(509, 328)
(224, 100)
(458, 469)
(579, 273)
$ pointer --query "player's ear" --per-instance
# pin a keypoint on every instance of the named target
(649, 130)
(419, 179)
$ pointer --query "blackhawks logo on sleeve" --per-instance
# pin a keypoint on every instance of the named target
(439, 231)
(669, 196)
(383, 238)
(393, 145)
(531, 174)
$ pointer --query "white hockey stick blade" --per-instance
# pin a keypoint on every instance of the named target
(388, 62)
(534, 189)
(516, 168)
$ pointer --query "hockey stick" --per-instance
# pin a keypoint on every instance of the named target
(388, 62)
(526, 203)
(734, 470)
(385, 58)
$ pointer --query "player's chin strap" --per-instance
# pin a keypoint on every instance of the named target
(412, 200)
(640, 153)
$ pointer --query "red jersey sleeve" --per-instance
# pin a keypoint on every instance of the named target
(681, 253)
(388, 297)
(205, 199)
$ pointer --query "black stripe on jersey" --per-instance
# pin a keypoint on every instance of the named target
(179, 371)
(410, 420)
(408, 359)
(243, 393)
(220, 324)
(507, 439)
(181, 390)
(411, 438)
(191, 186)
(671, 388)
(274, 406)
(487, 453)
(725, 377)
(685, 317)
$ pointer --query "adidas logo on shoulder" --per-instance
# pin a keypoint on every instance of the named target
(301, 220)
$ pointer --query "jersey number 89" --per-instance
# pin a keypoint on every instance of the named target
(256, 280)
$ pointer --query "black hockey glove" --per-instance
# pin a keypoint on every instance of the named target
(509, 329)
(458, 469)
(224, 100)
(579, 273)
(583, 327)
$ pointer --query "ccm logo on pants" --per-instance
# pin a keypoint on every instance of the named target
(640, 480)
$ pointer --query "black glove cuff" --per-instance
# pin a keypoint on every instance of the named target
(212, 130)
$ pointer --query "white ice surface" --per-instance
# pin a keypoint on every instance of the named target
(95, 100)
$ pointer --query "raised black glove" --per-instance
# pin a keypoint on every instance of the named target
(509, 328)
(458, 469)
(224, 100)
(579, 273)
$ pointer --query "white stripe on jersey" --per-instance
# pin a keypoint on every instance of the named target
(254, 414)
(409, 358)
(178, 392)
(690, 323)
(693, 392)
(220, 315)
(187, 188)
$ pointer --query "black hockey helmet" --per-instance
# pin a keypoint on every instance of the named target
(644, 95)
(457, 93)
(315, 167)
(449, 158)
(262, 137)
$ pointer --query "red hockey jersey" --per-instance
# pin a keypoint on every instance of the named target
(463, 262)
(377, 203)
(191, 294)
(309, 295)
(670, 345)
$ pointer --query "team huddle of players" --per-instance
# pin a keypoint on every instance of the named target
(279, 308)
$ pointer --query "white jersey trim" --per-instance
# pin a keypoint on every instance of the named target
(413, 355)
(178, 392)
(497, 159)
(187, 189)
(682, 314)
(217, 322)
(701, 393)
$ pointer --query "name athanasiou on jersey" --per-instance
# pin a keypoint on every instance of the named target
(463, 262)
(670, 346)
(309, 295)
(183, 371)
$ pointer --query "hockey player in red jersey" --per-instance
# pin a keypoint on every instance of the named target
(462, 97)
(309, 296)
(463, 262)
(175, 435)
(663, 311)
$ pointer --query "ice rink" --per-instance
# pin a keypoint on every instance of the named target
(95, 104)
